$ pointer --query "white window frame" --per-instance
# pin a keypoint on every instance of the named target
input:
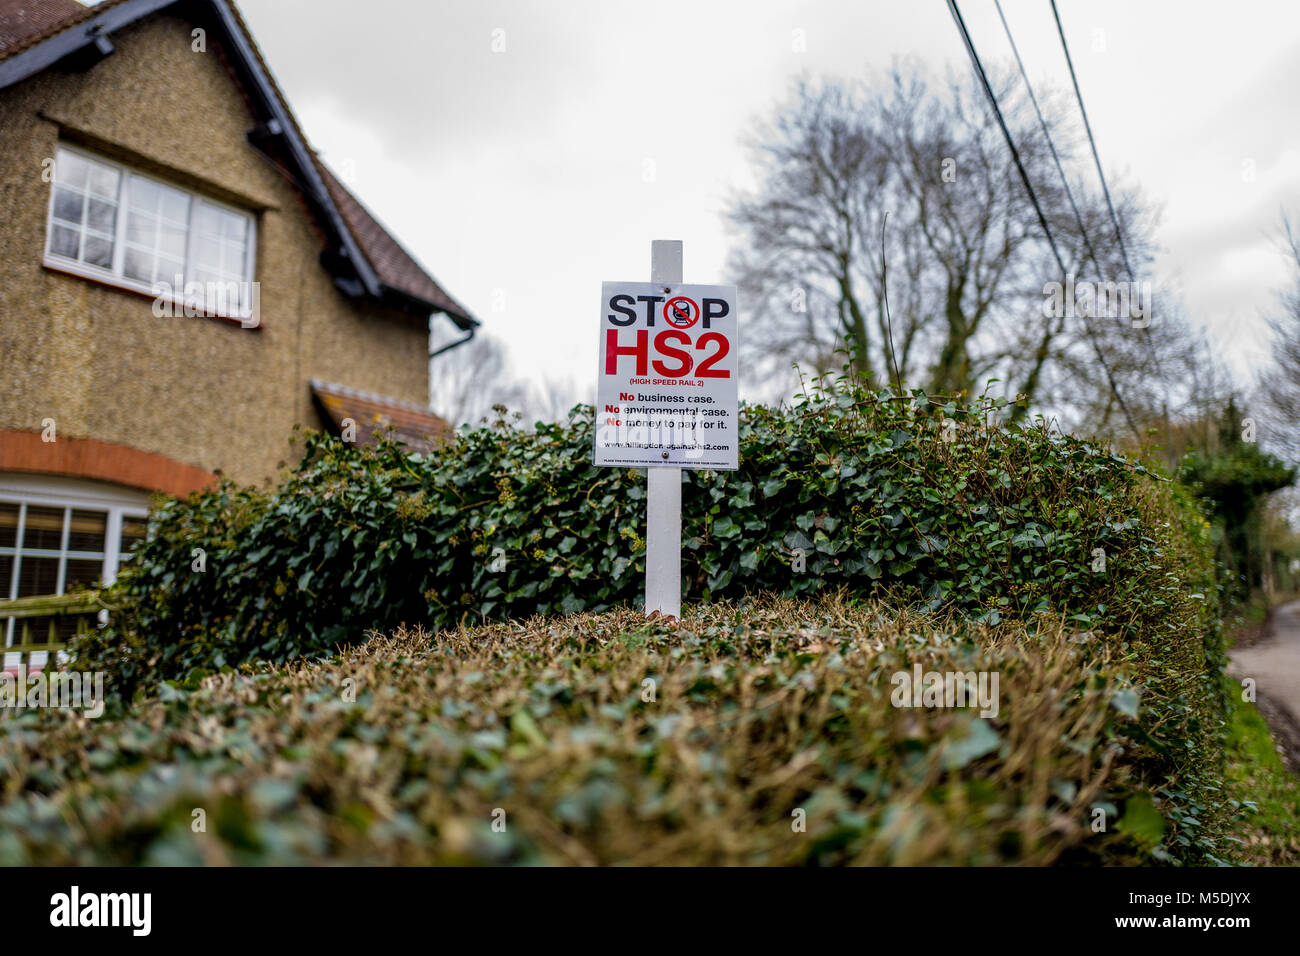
(116, 276)
(68, 494)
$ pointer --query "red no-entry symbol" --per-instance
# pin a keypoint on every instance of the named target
(681, 312)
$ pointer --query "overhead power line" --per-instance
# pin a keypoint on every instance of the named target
(1105, 189)
(1006, 133)
(1069, 193)
(1065, 182)
(1114, 220)
(1033, 199)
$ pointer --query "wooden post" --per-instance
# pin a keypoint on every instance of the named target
(663, 533)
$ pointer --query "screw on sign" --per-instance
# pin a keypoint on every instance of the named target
(666, 398)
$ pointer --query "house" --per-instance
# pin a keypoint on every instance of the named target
(183, 281)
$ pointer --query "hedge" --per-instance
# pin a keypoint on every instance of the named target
(911, 499)
(757, 732)
(844, 489)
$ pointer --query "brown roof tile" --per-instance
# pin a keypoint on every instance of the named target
(24, 23)
(410, 423)
(396, 267)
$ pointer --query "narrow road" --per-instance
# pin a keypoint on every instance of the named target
(1274, 663)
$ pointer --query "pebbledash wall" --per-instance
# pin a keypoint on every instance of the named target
(118, 381)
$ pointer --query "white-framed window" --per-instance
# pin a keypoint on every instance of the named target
(110, 223)
(58, 535)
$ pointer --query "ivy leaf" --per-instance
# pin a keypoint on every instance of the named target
(725, 527)
(1141, 819)
(1126, 702)
(980, 740)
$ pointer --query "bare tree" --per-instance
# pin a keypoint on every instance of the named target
(1279, 386)
(468, 381)
(472, 382)
(812, 228)
(1176, 410)
(553, 399)
(968, 263)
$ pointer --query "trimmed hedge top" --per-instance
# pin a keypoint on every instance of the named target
(761, 732)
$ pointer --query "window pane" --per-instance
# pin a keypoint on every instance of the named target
(99, 252)
(67, 205)
(6, 578)
(138, 265)
(71, 169)
(171, 240)
(146, 195)
(8, 529)
(157, 231)
(236, 229)
(102, 216)
(169, 269)
(208, 254)
(86, 531)
(133, 530)
(43, 531)
(64, 242)
(37, 575)
(223, 243)
(176, 206)
(151, 197)
(82, 573)
(103, 181)
(85, 195)
(141, 228)
(209, 220)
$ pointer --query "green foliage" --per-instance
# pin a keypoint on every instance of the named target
(903, 497)
(999, 522)
(1262, 791)
(1234, 480)
(752, 733)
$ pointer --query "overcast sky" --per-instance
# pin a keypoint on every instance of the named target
(525, 177)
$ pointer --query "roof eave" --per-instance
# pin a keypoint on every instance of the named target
(414, 303)
(46, 53)
(259, 84)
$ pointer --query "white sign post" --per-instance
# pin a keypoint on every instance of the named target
(666, 399)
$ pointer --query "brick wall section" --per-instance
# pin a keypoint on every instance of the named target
(192, 390)
(101, 461)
